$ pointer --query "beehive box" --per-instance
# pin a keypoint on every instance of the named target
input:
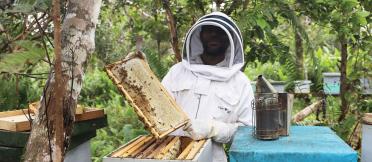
(279, 86)
(150, 100)
(366, 84)
(19, 120)
(331, 83)
(169, 149)
(302, 86)
(367, 138)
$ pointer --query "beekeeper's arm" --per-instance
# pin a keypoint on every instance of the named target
(220, 131)
(166, 82)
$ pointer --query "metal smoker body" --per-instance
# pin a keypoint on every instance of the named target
(267, 111)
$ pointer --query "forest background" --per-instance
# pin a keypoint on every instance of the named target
(285, 40)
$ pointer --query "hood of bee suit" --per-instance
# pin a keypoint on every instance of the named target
(193, 48)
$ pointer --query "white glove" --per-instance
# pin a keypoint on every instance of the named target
(200, 129)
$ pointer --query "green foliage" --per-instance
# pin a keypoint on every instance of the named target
(158, 64)
(97, 88)
(30, 6)
(112, 40)
(268, 28)
(30, 53)
(273, 71)
(11, 99)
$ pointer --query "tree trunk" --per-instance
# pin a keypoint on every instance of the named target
(78, 31)
(344, 85)
(299, 55)
(173, 30)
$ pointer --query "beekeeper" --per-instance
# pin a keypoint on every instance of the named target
(208, 83)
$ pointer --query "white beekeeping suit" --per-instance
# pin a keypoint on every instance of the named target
(217, 98)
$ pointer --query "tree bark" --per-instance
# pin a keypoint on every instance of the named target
(77, 43)
(173, 30)
(344, 85)
(56, 114)
(299, 55)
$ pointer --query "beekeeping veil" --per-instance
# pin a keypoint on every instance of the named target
(234, 56)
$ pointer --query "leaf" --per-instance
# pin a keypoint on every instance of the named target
(362, 13)
(350, 3)
(361, 17)
(29, 54)
(262, 23)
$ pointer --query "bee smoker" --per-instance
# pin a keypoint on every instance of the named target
(266, 111)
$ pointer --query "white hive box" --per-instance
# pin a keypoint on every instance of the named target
(331, 83)
(302, 86)
(366, 84)
(367, 138)
(279, 86)
(202, 153)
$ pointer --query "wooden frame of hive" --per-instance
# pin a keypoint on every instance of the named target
(150, 100)
(147, 148)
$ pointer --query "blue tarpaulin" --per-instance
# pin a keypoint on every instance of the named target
(304, 144)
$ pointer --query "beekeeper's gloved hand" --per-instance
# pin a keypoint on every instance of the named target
(200, 129)
(219, 131)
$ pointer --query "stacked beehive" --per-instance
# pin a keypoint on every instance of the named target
(15, 129)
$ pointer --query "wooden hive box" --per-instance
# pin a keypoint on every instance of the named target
(169, 149)
(19, 120)
(150, 100)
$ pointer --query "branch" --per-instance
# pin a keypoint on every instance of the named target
(307, 111)
(173, 30)
(234, 5)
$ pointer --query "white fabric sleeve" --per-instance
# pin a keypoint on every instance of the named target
(224, 132)
(167, 82)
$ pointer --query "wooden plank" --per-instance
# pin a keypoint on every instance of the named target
(127, 147)
(150, 100)
(171, 150)
(150, 149)
(12, 122)
(135, 147)
(197, 146)
(13, 113)
(90, 113)
(186, 151)
(160, 147)
(15, 123)
(143, 147)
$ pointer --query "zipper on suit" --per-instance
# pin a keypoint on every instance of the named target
(197, 110)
